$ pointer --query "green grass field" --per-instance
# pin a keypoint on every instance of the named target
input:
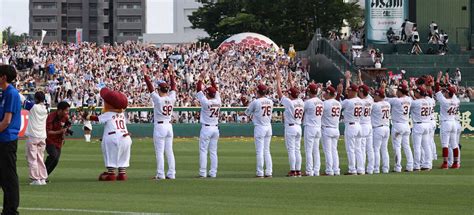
(74, 188)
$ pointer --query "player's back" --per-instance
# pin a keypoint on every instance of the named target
(331, 113)
(420, 111)
(367, 103)
(261, 111)
(294, 110)
(163, 106)
(400, 109)
(448, 107)
(313, 112)
(210, 109)
(352, 110)
(380, 114)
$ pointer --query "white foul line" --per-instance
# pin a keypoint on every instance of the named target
(87, 211)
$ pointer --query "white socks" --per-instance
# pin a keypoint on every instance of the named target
(87, 137)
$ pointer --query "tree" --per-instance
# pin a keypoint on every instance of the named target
(11, 37)
(284, 21)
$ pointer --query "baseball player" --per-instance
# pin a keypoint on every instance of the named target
(210, 101)
(163, 103)
(458, 135)
(366, 127)
(313, 109)
(330, 130)
(352, 110)
(429, 97)
(400, 107)
(293, 114)
(116, 141)
(260, 110)
(448, 111)
(381, 131)
(421, 116)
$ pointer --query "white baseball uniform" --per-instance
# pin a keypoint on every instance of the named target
(330, 132)
(163, 133)
(366, 133)
(352, 110)
(400, 108)
(313, 111)
(260, 110)
(458, 133)
(421, 116)
(293, 114)
(210, 109)
(433, 127)
(116, 141)
(448, 111)
(381, 131)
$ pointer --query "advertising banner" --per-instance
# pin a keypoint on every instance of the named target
(382, 15)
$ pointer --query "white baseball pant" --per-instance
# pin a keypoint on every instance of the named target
(330, 138)
(433, 144)
(263, 137)
(163, 141)
(352, 139)
(208, 142)
(458, 140)
(401, 138)
(421, 141)
(367, 146)
(293, 146)
(116, 150)
(381, 135)
(312, 135)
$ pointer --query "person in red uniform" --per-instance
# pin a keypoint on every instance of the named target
(56, 129)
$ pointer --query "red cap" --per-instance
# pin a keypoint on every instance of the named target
(163, 85)
(380, 92)
(330, 90)
(114, 98)
(262, 88)
(354, 88)
(421, 90)
(294, 92)
(429, 92)
(211, 91)
(313, 88)
(364, 88)
(403, 88)
(452, 90)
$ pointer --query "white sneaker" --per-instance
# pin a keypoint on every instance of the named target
(43, 182)
(36, 183)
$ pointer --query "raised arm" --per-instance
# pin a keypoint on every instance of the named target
(359, 75)
(348, 77)
(199, 83)
(213, 83)
(149, 85)
(172, 78)
(278, 80)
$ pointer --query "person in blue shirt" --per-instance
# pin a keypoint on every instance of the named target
(10, 122)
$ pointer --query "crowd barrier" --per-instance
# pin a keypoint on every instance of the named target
(141, 130)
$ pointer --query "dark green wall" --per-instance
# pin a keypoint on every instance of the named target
(449, 16)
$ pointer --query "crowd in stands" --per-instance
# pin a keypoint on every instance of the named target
(75, 73)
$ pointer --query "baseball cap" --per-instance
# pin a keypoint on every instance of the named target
(330, 90)
(403, 88)
(364, 88)
(354, 88)
(380, 92)
(211, 91)
(421, 90)
(313, 88)
(114, 98)
(429, 92)
(452, 90)
(262, 88)
(294, 92)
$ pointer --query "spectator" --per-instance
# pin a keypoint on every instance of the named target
(10, 122)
